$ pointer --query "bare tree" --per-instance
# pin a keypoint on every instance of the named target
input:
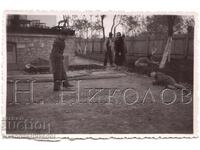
(113, 23)
(102, 25)
(130, 23)
(96, 27)
(82, 26)
(65, 21)
(119, 23)
(168, 47)
(168, 24)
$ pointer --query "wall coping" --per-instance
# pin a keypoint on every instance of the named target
(36, 35)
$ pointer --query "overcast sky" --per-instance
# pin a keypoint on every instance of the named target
(107, 23)
(52, 20)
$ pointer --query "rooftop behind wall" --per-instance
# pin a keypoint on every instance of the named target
(21, 24)
(34, 30)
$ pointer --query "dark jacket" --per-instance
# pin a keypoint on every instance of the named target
(56, 56)
(58, 48)
(119, 51)
(119, 45)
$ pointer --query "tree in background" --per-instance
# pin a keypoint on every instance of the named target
(159, 24)
(85, 26)
(96, 27)
(113, 23)
(117, 20)
(183, 24)
(133, 25)
(82, 26)
(169, 24)
(67, 21)
(102, 25)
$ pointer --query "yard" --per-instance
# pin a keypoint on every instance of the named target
(143, 110)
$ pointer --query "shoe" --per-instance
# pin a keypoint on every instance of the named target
(67, 85)
(56, 90)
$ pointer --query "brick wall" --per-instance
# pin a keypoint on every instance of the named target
(31, 46)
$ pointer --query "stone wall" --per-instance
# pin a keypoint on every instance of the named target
(31, 46)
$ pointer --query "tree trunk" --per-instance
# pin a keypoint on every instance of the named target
(170, 20)
(113, 24)
(115, 28)
(168, 47)
(166, 53)
(102, 24)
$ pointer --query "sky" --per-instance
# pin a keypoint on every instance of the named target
(107, 23)
(50, 20)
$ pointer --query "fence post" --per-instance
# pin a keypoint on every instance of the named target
(132, 45)
(148, 45)
(92, 45)
(101, 45)
(186, 46)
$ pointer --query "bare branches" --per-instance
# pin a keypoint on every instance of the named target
(113, 23)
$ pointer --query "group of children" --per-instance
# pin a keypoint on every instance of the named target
(117, 47)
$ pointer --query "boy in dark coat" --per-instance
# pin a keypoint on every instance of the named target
(119, 50)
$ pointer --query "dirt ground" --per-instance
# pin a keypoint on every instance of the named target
(137, 107)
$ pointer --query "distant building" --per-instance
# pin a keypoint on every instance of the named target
(30, 37)
(43, 21)
(49, 20)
